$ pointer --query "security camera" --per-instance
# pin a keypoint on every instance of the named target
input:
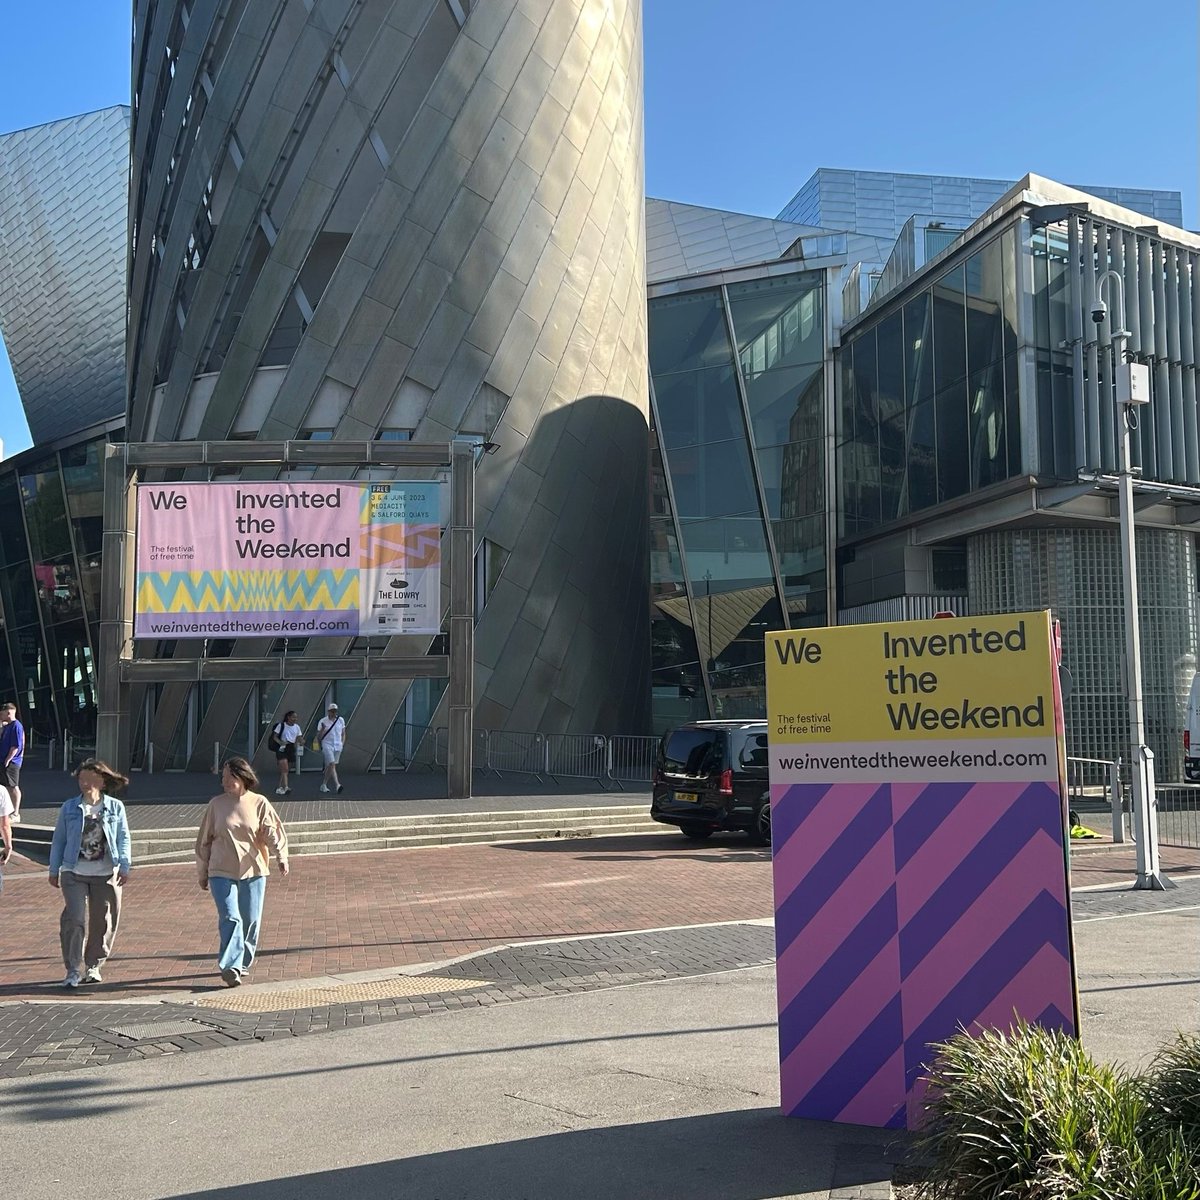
(1099, 312)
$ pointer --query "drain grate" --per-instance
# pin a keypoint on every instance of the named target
(150, 1031)
(284, 999)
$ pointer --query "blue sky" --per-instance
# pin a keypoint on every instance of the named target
(745, 98)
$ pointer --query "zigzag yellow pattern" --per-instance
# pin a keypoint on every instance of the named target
(246, 591)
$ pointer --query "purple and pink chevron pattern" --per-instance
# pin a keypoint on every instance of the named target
(904, 911)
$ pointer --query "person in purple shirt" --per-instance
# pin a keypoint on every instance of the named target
(12, 752)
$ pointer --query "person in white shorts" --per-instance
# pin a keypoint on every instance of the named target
(331, 738)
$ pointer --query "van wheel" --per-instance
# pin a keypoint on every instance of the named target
(696, 832)
(760, 831)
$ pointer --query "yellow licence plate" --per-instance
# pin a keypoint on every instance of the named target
(687, 797)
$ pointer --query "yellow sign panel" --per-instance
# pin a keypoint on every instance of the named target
(962, 678)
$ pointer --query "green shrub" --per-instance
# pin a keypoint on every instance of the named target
(1172, 1088)
(1030, 1116)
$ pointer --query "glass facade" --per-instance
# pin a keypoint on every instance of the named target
(50, 547)
(928, 394)
(737, 487)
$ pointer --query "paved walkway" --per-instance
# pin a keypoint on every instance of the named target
(381, 909)
(357, 912)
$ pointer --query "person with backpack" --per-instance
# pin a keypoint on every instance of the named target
(284, 737)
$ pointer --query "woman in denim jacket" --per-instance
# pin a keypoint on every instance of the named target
(89, 862)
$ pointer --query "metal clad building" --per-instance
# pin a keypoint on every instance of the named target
(63, 189)
(419, 219)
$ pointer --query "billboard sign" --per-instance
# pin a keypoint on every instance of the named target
(288, 559)
(920, 861)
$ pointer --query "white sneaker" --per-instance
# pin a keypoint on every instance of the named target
(281, 791)
(322, 788)
(93, 975)
(15, 818)
(72, 980)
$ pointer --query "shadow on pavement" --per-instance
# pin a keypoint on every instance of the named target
(740, 1155)
(732, 847)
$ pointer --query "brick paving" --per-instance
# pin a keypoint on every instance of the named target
(368, 911)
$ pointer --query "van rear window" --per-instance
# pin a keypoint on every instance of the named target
(693, 751)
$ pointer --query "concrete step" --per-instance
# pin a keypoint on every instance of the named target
(300, 832)
(424, 840)
(316, 837)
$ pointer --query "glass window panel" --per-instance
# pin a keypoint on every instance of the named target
(793, 478)
(713, 480)
(74, 680)
(1012, 407)
(1058, 284)
(688, 333)
(34, 698)
(778, 322)
(45, 511)
(890, 359)
(800, 546)
(786, 405)
(19, 595)
(918, 349)
(58, 590)
(83, 474)
(698, 406)
(725, 555)
(985, 291)
(672, 639)
(949, 324)
(731, 630)
(953, 474)
(89, 584)
(921, 459)
(666, 563)
(12, 528)
(1008, 253)
(989, 451)
(893, 499)
(677, 696)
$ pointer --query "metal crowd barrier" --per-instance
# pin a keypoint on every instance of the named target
(1095, 780)
(617, 759)
(631, 758)
(1178, 815)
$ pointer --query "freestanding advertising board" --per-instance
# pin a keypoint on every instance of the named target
(288, 559)
(920, 851)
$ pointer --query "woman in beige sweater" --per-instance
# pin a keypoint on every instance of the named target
(237, 834)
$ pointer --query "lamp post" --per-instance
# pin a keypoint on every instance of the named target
(1127, 397)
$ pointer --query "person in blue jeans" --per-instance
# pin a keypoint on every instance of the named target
(238, 832)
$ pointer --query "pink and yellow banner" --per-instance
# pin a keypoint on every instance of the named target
(288, 559)
(918, 822)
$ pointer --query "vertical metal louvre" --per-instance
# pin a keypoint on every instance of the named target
(1162, 316)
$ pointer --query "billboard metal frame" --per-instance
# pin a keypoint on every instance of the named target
(119, 668)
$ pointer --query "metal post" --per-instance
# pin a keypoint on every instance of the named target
(383, 758)
(1149, 876)
(1114, 796)
(116, 609)
(462, 620)
(216, 758)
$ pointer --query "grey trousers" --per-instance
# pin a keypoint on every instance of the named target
(91, 912)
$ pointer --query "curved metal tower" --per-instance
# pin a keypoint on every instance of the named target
(414, 218)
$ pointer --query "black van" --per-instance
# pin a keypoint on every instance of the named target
(713, 775)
